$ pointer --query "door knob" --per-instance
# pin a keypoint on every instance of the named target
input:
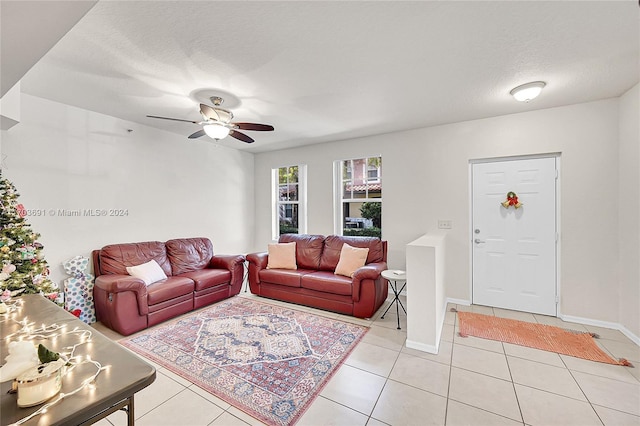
(478, 241)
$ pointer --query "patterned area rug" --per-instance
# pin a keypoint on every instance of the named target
(266, 360)
(538, 336)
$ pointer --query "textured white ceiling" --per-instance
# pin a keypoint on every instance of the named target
(321, 71)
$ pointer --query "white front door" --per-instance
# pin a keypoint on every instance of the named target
(514, 249)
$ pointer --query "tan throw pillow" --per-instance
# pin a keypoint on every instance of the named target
(282, 256)
(351, 258)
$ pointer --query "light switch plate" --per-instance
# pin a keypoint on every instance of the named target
(444, 224)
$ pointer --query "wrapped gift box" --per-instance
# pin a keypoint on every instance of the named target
(78, 290)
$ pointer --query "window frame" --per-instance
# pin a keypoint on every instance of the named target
(276, 202)
(338, 194)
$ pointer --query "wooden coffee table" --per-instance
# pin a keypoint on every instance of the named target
(114, 389)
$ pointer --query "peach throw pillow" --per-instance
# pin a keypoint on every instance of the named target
(351, 258)
(282, 256)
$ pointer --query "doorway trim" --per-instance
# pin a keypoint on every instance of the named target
(557, 156)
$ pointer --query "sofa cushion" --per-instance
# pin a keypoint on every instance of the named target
(170, 288)
(286, 277)
(115, 258)
(149, 272)
(308, 249)
(207, 278)
(351, 258)
(189, 254)
(327, 282)
(333, 247)
(282, 256)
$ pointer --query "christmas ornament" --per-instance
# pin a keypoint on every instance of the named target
(22, 212)
(23, 268)
(512, 200)
(6, 295)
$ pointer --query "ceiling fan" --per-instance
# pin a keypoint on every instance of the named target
(216, 123)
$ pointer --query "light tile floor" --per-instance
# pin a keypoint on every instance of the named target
(470, 381)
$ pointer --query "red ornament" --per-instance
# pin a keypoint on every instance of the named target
(22, 212)
(76, 312)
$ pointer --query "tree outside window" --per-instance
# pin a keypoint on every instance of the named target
(288, 200)
(361, 197)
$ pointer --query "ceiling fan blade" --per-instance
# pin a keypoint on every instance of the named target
(174, 119)
(240, 136)
(197, 134)
(209, 113)
(254, 126)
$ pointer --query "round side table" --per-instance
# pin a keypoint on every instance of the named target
(395, 278)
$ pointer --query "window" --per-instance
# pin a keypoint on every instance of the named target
(289, 196)
(359, 184)
(373, 172)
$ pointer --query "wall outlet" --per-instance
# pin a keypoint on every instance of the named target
(444, 224)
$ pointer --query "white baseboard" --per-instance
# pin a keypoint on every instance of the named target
(604, 324)
(624, 330)
(459, 301)
(432, 349)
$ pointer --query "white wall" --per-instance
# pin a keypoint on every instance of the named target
(628, 207)
(62, 157)
(425, 178)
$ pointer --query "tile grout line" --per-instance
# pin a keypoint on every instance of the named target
(581, 390)
(453, 347)
(513, 383)
(386, 380)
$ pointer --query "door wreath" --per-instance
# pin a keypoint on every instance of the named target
(512, 200)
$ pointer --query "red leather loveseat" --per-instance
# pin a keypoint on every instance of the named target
(195, 278)
(314, 282)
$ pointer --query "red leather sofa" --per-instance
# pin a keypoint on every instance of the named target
(314, 282)
(195, 278)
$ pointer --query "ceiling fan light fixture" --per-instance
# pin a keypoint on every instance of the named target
(527, 92)
(216, 131)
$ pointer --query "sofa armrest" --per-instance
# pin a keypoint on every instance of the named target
(260, 260)
(370, 271)
(257, 262)
(228, 262)
(121, 283)
(235, 265)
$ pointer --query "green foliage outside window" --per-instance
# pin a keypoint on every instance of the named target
(362, 232)
(372, 211)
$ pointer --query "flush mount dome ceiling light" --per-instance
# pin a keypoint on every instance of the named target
(527, 92)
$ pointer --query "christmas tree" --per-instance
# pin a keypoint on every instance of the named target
(24, 270)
